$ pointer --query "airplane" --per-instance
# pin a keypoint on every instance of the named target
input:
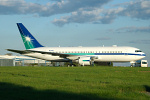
(81, 55)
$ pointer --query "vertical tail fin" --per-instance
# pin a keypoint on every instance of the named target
(29, 41)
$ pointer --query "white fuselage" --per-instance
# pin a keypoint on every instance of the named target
(102, 54)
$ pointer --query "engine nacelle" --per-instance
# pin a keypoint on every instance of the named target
(84, 61)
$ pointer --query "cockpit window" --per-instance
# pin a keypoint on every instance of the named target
(138, 51)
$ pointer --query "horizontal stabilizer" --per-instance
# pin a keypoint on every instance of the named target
(18, 51)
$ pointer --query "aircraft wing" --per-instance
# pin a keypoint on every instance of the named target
(42, 52)
(51, 53)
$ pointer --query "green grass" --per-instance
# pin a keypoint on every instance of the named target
(74, 83)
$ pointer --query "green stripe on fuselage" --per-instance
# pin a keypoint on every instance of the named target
(85, 60)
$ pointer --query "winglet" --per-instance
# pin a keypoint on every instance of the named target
(29, 41)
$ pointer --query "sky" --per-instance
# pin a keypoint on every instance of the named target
(77, 23)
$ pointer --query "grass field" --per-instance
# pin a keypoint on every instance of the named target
(74, 83)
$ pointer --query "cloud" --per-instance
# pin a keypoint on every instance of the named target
(133, 29)
(140, 42)
(78, 11)
(138, 9)
(83, 16)
(57, 7)
(82, 11)
(9, 7)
